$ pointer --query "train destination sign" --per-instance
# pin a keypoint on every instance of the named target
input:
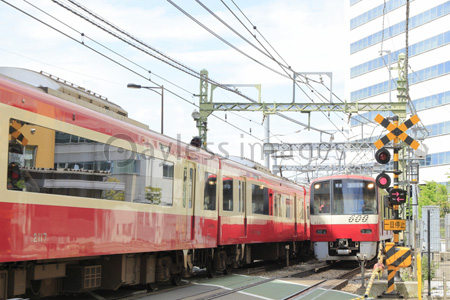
(397, 196)
(390, 224)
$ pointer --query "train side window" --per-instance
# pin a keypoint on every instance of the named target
(241, 209)
(260, 199)
(54, 162)
(275, 204)
(191, 186)
(227, 193)
(210, 191)
(185, 191)
(288, 208)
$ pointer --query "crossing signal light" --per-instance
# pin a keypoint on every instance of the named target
(196, 142)
(383, 156)
(383, 181)
(14, 176)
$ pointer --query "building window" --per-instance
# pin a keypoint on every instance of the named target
(399, 28)
(413, 78)
(375, 12)
(413, 50)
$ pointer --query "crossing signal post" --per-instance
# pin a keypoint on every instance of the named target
(396, 257)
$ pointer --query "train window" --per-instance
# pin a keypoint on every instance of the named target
(191, 185)
(55, 162)
(240, 197)
(321, 198)
(227, 193)
(288, 208)
(277, 205)
(354, 197)
(260, 199)
(185, 189)
(210, 191)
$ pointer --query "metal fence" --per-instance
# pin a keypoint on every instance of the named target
(434, 243)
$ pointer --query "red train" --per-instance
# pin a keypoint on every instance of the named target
(347, 214)
(93, 199)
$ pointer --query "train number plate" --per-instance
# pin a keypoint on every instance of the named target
(394, 224)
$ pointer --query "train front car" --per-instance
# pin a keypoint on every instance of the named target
(346, 218)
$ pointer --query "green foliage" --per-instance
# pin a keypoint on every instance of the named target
(434, 194)
(112, 194)
(434, 266)
(153, 194)
(405, 274)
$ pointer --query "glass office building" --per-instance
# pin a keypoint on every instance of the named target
(377, 35)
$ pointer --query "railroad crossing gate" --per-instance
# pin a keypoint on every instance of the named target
(397, 131)
(396, 257)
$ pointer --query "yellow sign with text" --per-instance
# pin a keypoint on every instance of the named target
(394, 224)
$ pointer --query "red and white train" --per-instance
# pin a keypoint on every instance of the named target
(347, 214)
(92, 199)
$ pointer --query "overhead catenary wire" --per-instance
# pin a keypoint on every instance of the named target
(254, 27)
(118, 63)
(156, 83)
(234, 47)
(374, 125)
(190, 73)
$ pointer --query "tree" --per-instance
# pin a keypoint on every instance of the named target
(433, 193)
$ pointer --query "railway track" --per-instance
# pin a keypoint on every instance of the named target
(316, 287)
(190, 289)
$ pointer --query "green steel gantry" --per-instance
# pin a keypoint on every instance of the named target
(208, 106)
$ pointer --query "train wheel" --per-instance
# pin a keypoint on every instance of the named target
(210, 268)
(176, 279)
(227, 270)
(152, 286)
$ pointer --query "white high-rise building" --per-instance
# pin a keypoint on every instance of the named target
(377, 35)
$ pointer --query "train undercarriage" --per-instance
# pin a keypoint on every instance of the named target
(36, 279)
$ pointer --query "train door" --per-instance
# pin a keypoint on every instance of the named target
(242, 210)
(307, 215)
(300, 222)
(296, 214)
(189, 176)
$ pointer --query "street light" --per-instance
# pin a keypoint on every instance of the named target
(151, 88)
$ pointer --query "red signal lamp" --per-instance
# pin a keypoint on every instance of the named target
(383, 156)
(383, 181)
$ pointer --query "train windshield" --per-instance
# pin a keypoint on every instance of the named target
(348, 196)
(354, 197)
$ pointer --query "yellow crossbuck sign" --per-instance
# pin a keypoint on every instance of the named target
(397, 131)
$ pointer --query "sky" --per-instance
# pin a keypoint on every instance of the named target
(310, 36)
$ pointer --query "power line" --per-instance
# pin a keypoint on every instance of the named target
(115, 61)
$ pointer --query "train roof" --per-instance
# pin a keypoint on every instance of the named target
(68, 91)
